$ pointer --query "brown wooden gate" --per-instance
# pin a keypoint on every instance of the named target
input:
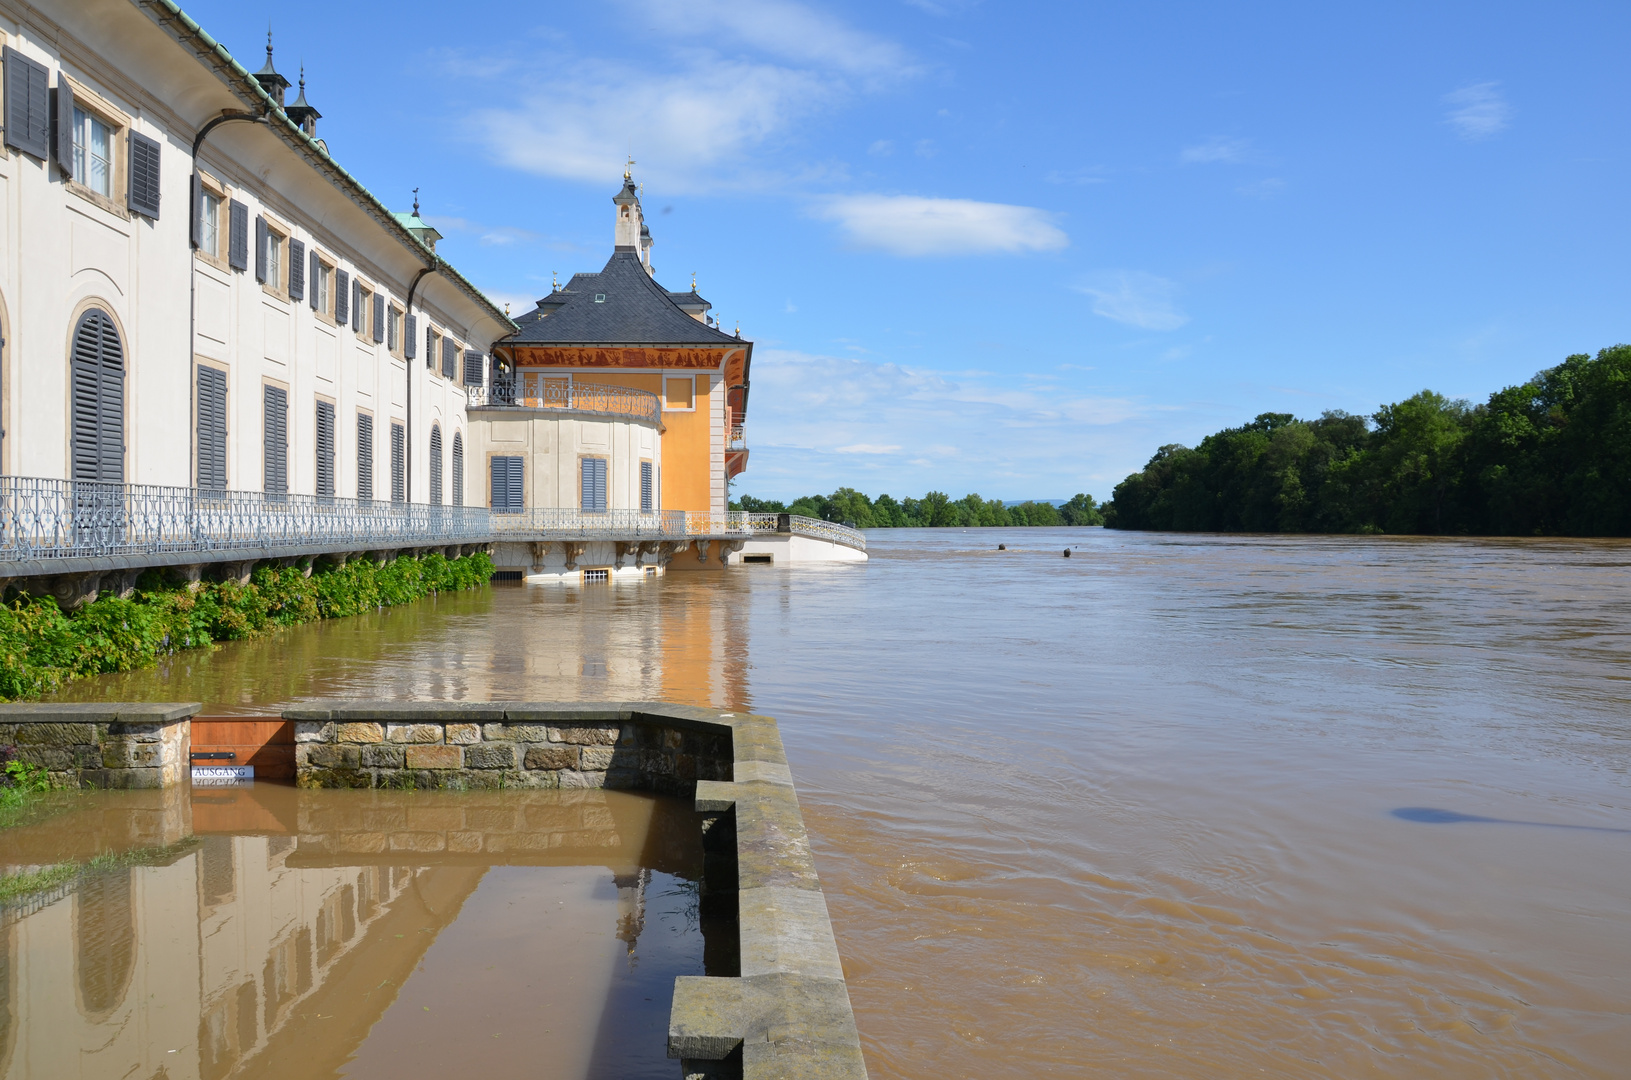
(265, 742)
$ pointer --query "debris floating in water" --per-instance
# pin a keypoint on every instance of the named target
(1067, 553)
(1002, 547)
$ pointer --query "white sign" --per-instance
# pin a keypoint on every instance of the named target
(222, 774)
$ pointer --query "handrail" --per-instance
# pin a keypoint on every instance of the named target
(544, 390)
(799, 525)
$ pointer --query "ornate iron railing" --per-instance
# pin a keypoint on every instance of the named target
(541, 390)
(761, 524)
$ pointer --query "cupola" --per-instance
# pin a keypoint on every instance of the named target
(274, 84)
(304, 116)
(422, 230)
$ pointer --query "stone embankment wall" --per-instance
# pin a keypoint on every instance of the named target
(432, 745)
(110, 746)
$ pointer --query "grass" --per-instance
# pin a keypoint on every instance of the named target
(18, 887)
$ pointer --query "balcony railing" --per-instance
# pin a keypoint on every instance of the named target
(540, 390)
(44, 521)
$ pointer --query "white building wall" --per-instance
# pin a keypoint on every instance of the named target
(553, 442)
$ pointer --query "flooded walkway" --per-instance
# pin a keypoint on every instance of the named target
(1180, 806)
(260, 931)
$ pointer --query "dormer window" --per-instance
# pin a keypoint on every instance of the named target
(600, 298)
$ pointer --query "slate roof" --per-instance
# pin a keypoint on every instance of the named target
(636, 311)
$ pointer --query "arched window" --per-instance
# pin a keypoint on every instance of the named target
(105, 940)
(98, 377)
(436, 465)
(458, 469)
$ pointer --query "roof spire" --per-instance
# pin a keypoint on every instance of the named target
(627, 175)
(415, 202)
(270, 81)
(554, 282)
(693, 281)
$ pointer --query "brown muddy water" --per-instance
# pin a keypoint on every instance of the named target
(1176, 807)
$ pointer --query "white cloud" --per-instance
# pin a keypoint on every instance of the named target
(783, 28)
(1476, 111)
(913, 225)
(1215, 151)
(1135, 298)
(881, 148)
(866, 448)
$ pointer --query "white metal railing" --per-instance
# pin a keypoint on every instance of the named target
(542, 390)
(44, 521)
(760, 524)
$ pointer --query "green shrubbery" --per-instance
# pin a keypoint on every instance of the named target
(41, 647)
(934, 510)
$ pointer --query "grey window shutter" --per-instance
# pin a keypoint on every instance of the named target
(379, 317)
(261, 234)
(508, 483)
(498, 479)
(212, 428)
(450, 358)
(435, 465)
(144, 175)
(297, 270)
(430, 345)
(275, 464)
(238, 242)
(399, 442)
(314, 274)
(365, 456)
(593, 482)
(600, 483)
(518, 501)
(195, 210)
(473, 364)
(98, 378)
(62, 125)
(645, 486)
(325, 448)
(28, 126)
(409, 346)
(356, 307)
(458, 468)
(342, 297)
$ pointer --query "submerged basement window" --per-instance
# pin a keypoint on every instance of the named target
(591, 576)
(507, 575)
(765, 559)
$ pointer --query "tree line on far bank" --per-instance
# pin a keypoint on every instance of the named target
(934, 510)
(1551, 457)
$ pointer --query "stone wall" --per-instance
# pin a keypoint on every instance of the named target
(446, 745)
(110, 746)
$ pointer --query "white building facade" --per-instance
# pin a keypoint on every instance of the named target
(246, 317)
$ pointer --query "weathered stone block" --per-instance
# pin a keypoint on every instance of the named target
(572, 778)
(490, 756)
(56, 734)
(360, 732)
(463, 734)
(435, 757)
(334, 778)
(332, 756)
(382, 756)
(552, 757)
(8, 734)
(124, 779)
(138, 732)
(515, 732)
(308, 731)
(120, 754)
(464, 842)
(51, 758)
(596, 758)
(413, 733)
(584, 735)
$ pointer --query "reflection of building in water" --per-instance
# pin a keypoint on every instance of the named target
(184, 970)
(631, 905)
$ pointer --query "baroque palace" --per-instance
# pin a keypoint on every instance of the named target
(217, 346)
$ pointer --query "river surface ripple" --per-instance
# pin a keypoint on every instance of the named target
(1180, 806)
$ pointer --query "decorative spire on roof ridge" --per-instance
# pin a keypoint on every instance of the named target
(268, 77)
(693, 281)
(301, 112)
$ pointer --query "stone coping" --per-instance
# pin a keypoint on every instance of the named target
(103, 744)
(91, 712)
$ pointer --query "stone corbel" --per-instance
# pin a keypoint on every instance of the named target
(573, 551)
(623, 547)
(540, 552)
(702, 550)
(667, 549)
(70, 590)
(727, 548)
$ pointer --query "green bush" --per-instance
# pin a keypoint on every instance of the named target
(41, 647)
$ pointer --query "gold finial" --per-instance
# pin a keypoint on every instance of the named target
(693, 281)
(506, 309)
(626, 174)
(554, 282)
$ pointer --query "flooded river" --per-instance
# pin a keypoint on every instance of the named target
(1174, 807)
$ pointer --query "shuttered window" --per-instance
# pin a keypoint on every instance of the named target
(325, 448)
(212, 428)
(297, 270)
(473, 362)
(399, 463)
(379, 318)
(261, 234)
(410, 344)
(27, 104)
(275, 467)
(98, 377)
(432, 346)
(508, 473)
(144, 175)
(238, 242)
(342, 297)
(62, 125)
(458, 468)
(365, 456)
(450, 358)
(435, 465)
(645, 486)
(593, 484)
(357, 312)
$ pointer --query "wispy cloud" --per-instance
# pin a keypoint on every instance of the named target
(866, 448)
(881, 148)
(792, 31)
(916, 226)
(1215, 151)
(1135, 298)
(1477, 110)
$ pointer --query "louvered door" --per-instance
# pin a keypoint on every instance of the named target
(98, 400)
(458, 468)
(276, 468)
(435, 465)
(212, 428)
(325, 448)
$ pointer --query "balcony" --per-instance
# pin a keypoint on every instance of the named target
(541, 390)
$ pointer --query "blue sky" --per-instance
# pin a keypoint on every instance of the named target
(1013, 249)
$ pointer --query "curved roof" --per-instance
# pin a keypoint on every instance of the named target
(631, 309)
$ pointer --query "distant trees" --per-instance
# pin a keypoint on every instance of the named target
(1551, 457)
(935, 510)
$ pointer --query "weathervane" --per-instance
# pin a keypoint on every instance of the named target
(415, 202)
(626, 173)
(554, 282)
(693, 281)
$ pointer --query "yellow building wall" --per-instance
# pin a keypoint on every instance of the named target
(687, 444)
